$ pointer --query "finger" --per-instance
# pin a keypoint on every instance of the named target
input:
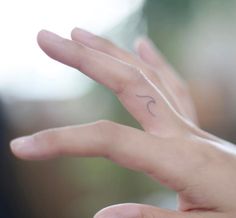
(132, 210)
(103, 45)
(137, 93)
(152, 56)
(106, 46)
(162, 159)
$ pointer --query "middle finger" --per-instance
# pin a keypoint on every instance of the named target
(136, 92)
(107, 47)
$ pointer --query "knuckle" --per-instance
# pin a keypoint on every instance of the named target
(104, 125)
(105, 129)
(106, 132)
(132, 78)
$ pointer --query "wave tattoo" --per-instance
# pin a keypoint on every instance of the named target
(150, 101)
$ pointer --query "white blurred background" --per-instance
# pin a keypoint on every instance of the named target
(25, 72)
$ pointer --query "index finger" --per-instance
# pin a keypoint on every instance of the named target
(162, 159)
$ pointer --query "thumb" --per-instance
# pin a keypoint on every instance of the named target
(140, 211)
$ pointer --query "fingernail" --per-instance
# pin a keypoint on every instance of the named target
(83, 33)
(22, 144)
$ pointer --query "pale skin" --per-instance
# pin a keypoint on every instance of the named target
(171, 148)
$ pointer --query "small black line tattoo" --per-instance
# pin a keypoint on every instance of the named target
(150, 101)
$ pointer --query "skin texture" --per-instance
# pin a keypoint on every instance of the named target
(172, 149)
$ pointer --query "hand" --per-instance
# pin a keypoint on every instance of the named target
(171, 149)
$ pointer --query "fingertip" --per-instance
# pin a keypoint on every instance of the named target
(139, 42)
(41, 36)
(119, 211)
(131, 210)
(74, 32)
(82, 35)
(148, 45)
(22, 147)
(42, 32)
(47, 38)
(148, 52)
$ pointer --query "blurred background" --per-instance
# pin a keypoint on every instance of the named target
(197, 37)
